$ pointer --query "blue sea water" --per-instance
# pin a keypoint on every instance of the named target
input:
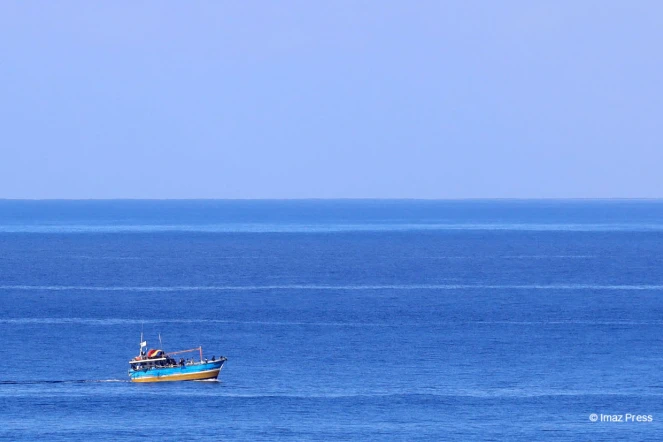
(341, 320)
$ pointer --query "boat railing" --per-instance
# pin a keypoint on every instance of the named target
(199, 349)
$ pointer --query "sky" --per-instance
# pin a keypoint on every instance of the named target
(336, 99)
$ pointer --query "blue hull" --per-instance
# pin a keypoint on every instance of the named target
(194, 372)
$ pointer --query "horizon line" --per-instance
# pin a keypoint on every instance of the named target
(349, 199)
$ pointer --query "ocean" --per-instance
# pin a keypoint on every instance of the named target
(341, 319)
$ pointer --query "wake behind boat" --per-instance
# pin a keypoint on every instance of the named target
(155, 365)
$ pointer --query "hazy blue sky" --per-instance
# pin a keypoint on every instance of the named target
(262, 99)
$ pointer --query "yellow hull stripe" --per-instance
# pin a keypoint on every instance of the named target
(209, 374)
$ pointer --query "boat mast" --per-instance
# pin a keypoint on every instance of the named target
(142, 343)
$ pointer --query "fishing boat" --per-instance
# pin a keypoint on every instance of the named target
(155, 365)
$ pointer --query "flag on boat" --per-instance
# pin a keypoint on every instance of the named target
(143, 344)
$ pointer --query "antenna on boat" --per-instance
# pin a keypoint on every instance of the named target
(160, 343)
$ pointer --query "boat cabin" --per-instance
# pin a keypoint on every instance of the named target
(153, 359)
